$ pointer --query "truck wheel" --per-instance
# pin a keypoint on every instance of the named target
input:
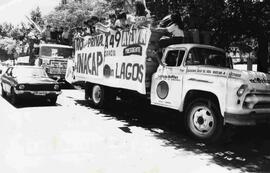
(203, 120)
(97, 96)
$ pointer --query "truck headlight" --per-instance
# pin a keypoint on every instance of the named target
(56, 87)
(21, 87)
(241, 90)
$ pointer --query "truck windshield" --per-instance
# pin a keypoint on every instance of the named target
(56, 52)
(209, 57)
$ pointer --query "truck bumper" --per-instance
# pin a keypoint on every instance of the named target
(249, 119)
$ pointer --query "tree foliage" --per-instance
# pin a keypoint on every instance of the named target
(241, 21)
(73, 14)
(36, 16)
(249, 19)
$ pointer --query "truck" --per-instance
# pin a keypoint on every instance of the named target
(53, 57)
(195, 79)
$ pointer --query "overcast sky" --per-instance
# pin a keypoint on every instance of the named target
(14, 11)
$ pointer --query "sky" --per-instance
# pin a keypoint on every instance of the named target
(14, 11)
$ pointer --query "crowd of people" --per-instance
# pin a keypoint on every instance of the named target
(59, 35)
(117, 20)
(172, 26)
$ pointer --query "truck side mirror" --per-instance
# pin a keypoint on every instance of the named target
(0, 71)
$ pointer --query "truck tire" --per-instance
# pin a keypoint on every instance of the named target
(98, 96)
(203, 120)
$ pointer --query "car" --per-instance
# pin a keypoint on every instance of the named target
(21, 82)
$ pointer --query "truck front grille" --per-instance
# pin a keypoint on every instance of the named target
(257, 101)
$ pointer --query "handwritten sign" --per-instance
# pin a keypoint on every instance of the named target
(115, 59)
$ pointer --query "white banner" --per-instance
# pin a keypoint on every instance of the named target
(116, 59)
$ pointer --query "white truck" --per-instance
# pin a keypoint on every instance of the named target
(197, 80)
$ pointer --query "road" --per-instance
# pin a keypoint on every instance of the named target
(72, 137)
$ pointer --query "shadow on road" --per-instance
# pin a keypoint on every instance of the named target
(35, 102)
(246, 148)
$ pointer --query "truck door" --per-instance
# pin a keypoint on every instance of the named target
(166, 88)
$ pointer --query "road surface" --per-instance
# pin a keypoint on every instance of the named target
(72, 137)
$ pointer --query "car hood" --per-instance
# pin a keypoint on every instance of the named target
(257, 80)
(31, 80)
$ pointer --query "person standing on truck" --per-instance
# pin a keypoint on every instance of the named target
(46, 34)
(122, 21)
(33, 37)
(140, 10)
(112, 20)
(60, 31)
(66, 36)
(90, 25)
(175, 29)
(54, 35)
(142, 15)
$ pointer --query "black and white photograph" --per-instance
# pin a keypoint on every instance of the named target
(134, 86)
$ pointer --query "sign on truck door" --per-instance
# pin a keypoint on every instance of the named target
(167, 81)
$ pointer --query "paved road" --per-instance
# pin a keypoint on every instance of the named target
(71, 137)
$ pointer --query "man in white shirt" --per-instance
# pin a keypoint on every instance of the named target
(175, 29)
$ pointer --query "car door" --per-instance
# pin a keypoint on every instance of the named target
(9, 80)
(5, 78)
(166, 88)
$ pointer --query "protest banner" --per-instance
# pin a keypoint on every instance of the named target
(116, 59)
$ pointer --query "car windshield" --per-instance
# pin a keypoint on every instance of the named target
(29, 72)
(209, 57)
(56, 51)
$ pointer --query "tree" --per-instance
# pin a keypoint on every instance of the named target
(36, 16)
(72, 14)
(10, 45)
(5, 29)
(229, 20)
(250, 19)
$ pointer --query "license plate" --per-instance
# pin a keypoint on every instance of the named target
(55, 71)
(40, 93)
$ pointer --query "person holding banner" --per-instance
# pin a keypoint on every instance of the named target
(141, 10)
(112, 21)
(90, 24)
(142, 15)
(122, 22)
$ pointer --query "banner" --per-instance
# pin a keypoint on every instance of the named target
(116, 59)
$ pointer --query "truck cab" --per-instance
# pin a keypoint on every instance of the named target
(53, 57)
(200, 81)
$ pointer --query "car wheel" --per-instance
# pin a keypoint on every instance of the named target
(53, 100)
(4, 94)
(97, 96)
(203, 120)
(13, 97)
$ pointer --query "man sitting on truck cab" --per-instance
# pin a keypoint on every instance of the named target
(175, 29)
